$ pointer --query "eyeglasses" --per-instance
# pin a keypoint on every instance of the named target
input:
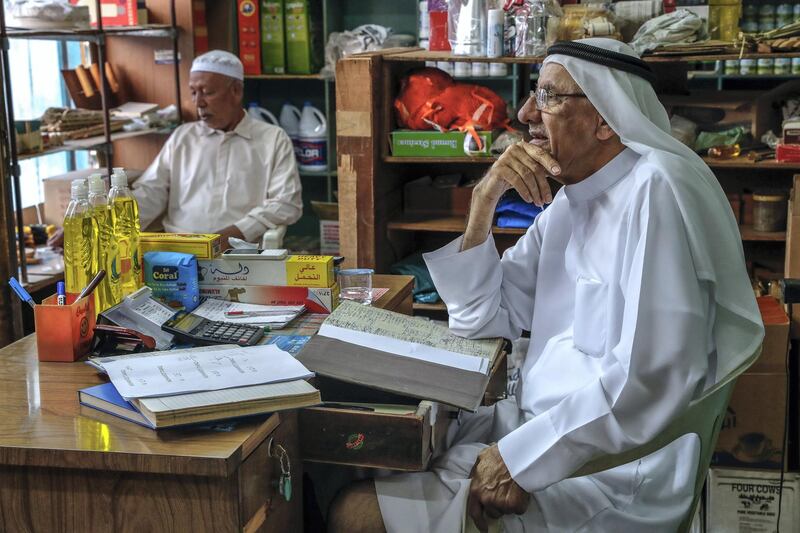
(545, 98)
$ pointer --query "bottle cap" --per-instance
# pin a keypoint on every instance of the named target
(96, 185)
(79, 188)
(119, 178)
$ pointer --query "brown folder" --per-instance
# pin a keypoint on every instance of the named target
(393, 373)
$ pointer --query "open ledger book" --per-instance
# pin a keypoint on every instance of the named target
(401, 354)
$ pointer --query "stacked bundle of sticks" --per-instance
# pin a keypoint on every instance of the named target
(76, 123)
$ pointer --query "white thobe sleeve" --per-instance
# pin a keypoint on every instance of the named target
(283, 203)
(151, 189)
(656, 367)
(487, 296)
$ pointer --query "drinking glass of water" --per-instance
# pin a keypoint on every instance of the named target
(355, 284)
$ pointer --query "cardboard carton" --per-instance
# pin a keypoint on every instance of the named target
(295, 271)
(303, 20)
(746, 501)
(273, 44)
(316, 300)
(776, 337)
(328, 213)
(249, 36)
(413, 143)
(201, 245)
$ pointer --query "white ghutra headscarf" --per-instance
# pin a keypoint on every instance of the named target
(628, 103)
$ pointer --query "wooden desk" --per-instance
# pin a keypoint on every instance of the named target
(65, 467)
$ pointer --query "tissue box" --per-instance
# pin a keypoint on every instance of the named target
(173, 279)
(294, 271)
(412, 143)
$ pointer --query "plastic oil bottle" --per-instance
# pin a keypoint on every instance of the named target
(108, 293)
(126, 230)
(79, 250)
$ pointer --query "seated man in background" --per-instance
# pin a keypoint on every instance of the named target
(634, 288)
(226, 173)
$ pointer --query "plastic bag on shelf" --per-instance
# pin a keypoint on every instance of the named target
(46, 14)
(680, 26)
(535, 26)
(365, 38)
(684, 130)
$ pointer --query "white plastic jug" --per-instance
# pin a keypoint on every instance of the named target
(290, 120)
(312, 142)
(259, 113)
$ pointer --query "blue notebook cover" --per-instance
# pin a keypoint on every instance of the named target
(106, 398)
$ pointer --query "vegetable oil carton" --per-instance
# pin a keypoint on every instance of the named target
(249, 38)
(201, 245)
(294, 271)
(273, 44)
(303, 21)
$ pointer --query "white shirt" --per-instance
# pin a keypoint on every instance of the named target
(208, 179)
(621, 326)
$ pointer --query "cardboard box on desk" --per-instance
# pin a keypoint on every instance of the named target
(316, 299)
(201, 245)
(295, 271)
(792, 259)
(776, 337)
(746, 501)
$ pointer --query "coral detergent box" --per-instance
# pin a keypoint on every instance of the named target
(200, 245)
(273, 45)
(173, 279)
(249, 36)
(294, 271)
(316, 300)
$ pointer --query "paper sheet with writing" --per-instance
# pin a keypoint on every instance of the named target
(403, 335)
(273, 315)
(203, 370)
(142, 313)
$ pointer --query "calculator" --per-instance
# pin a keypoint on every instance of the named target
(198, 330)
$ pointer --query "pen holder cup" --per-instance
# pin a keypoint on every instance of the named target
(64, 332)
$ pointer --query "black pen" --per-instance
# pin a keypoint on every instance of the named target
(92, 284)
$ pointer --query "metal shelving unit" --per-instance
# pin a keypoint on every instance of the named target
(97, 36)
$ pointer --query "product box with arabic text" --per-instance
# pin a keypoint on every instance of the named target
(294, 271)
(200, 245)
(316, 300)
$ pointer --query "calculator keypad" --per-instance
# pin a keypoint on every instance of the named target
(231, 333)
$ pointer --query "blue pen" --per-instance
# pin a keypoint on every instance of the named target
(21, 292)
(61, 299)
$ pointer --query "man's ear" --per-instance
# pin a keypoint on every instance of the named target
(603, 131)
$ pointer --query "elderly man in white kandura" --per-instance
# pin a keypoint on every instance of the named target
(633, 286)
(227, 173)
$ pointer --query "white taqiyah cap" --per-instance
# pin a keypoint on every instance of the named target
(219, 62)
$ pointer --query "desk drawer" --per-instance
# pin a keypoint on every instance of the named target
(380, 438)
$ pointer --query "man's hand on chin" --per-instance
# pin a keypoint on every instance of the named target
(493, 492)
(227, 233)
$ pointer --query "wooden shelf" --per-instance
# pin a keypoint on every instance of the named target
(285, 77)
(94, 143)
(149, 31)
(465, 159)
(419, 54)
(746, 164)
(438, 306)
(445, 224)
(318, 173)
(748, 234)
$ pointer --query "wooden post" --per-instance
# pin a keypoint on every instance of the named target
(10, 315)
(791, 267)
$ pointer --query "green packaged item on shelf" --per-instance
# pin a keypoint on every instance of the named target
(273, 44)
(413, 143)
(303, 22)
(707, 139)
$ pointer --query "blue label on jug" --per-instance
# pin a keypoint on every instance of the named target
(312, 152)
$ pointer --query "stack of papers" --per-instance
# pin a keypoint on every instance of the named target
(201, 385)
(274, 316)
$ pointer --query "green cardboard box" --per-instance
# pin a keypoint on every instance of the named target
(273, 44)
(303, 21)
(412, 143)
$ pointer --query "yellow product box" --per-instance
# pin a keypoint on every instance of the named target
(201, 245)
(310, 271)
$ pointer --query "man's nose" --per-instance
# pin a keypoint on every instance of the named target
(529, 113)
